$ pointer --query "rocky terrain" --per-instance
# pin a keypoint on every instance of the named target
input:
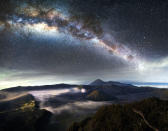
(59, 107)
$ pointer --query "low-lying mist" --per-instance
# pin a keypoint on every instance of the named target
(65, 100)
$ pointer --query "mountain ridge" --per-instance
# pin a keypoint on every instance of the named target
(99, 82)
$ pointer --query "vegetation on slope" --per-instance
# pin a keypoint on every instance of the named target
(23, 115)
(126, 118)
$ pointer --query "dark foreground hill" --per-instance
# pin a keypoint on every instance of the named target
(23, 114)
(147, 115)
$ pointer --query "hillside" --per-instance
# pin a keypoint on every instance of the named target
(23, 114)
(68, 104)
(149, 114)
(96, 95)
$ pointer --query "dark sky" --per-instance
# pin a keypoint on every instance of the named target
(53, 41)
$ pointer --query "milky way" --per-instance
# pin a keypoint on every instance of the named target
(50, 41)
(53, 21)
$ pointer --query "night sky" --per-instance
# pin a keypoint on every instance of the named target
(77, 41)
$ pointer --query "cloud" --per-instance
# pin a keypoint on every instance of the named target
(43, 58)
(75, 107)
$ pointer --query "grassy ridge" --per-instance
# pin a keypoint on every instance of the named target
(124, 117)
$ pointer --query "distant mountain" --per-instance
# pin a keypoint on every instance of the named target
(97, 82)
(100, 82)
(44, 87)
(97, 90)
